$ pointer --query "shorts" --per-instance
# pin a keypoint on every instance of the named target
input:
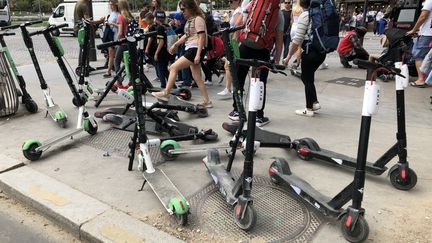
(191, 53)
(421, 47)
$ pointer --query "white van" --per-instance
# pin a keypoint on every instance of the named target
(64, 13)
(5, 18)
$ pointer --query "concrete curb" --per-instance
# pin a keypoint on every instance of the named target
(83, 216)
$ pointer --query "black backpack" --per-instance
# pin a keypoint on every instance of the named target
(325, 26)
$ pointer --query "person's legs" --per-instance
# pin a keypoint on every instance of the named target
(420, 50)
(187, 77)
(228, 78)
(286, 41)
(163, 72)
(206, 69)
(118, 58)
(196, 74)
(310, 63)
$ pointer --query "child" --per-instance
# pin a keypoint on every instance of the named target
(157, 47)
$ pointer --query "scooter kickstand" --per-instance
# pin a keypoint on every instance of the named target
(142, 187)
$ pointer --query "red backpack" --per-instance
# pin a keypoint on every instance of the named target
(218, 48)
(261, 21)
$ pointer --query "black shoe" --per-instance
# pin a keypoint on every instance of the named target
(346, 64)
(194, 85)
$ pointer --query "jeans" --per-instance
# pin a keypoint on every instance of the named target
(309, 65)
(286, 44)
(242, 71)
(119, 57)
(162, 72)
(209, 68)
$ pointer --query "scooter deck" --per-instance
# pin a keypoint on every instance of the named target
(266, 138)
(346, 161)
(162, 186)
(175, 100)
(221, 177)
(196, 149)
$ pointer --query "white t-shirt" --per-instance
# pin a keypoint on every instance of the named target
(379, 16)
(425, 28)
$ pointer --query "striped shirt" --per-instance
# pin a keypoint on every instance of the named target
(303, 28)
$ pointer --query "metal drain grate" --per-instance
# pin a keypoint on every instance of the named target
(281, 216)
(116, 141)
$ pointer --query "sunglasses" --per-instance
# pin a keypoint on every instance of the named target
(182, 9)
(287, 3)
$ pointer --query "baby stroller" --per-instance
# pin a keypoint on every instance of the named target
(399, 47)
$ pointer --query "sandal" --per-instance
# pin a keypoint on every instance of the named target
(414, 84)
(209, 104)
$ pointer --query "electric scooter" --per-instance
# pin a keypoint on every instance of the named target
(168, 194)
(26, 99)
(53, 110)
(402, 176)
(32, 149)
(184, 94)
(353, 224)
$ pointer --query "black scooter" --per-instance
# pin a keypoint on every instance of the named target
(237, 192)
(168, 194)
(53, 110)
(401, 176)
(26, 99)
(32, 149)
(353, 224)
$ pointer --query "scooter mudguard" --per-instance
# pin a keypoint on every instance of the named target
(59, 115)
(179, 205)
(165, 143)
(59, 45)
(29, 143)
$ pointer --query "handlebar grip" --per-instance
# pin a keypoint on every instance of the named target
(230, 30)
(53, 27)
(141, 36)
(24, 24)
(6, 34)
(111, 43)
(39, 32)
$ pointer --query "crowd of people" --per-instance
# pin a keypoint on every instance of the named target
(195, 48)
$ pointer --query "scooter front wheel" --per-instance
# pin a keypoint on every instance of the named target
(88, 127)
(166, 154)
(31, 106)
(403, 180)
(31, 154)
(360, 231)
(249, 220)
(182, 219)
(185, 94)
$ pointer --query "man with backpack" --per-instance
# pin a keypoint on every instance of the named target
(317, 34)
(258, 46)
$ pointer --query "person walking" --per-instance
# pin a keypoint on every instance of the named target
(311, 60)
(112, 23)
(423, 27)
(195, 39)
(286, 11)
(296, 12)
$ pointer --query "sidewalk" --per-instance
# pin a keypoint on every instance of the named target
(96, 198)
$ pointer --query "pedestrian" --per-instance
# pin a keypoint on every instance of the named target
(112, 23)
(145, 9)
(311, 60)
(262, 54)
(123, 19)
(382, 24)
(350, 47)
(421, 47)
(286, 11)
(195, 39)
(379, 15)
(157, 46)
(235, 20)
(296, 12)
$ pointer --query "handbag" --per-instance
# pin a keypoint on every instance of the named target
(108, 34)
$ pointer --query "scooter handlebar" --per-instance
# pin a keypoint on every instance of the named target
(137, 37)
(275, 68)
(374, 65)
(7, 33)
(22, 24)
(230, 30)
(49, 28)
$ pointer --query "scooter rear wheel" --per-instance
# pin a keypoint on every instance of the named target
(249, 220)
(360, 231)
(185, 94)
(166, 154)
(401, 183)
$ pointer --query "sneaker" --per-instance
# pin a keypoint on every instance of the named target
(293, 66)
(156, 80)
(260, 122)
(120, 86)
(162, 95)
(106, 75)
(234, 115)
(224, 92)
(323, 66)
(305, 112)
(208, 83)
(208, 104)
(316, 106)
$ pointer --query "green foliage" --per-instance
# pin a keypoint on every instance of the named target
(46, 6)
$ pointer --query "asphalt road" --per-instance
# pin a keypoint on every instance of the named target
(21, 224)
